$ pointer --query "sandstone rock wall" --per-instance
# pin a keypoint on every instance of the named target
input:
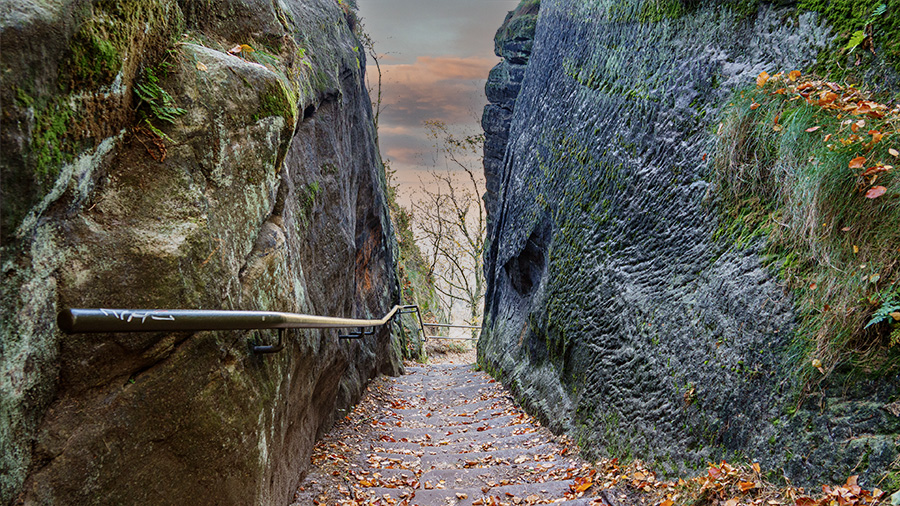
(611, 310)
(265, 191)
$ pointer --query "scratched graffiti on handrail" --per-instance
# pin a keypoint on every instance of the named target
(121, 315)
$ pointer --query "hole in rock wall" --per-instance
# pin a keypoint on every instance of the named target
(526, 269)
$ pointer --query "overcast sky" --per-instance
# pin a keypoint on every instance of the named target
(435, 56)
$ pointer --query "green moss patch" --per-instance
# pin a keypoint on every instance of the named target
(873, 26)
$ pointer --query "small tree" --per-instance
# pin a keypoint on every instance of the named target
(451, 222)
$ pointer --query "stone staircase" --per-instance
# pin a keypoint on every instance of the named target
(444, 435)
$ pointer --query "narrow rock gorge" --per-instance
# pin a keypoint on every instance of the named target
(181, 154)
(630, 303)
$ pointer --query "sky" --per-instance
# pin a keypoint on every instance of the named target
(435, 56)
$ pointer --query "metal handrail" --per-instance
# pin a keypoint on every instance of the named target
(73, 321)
(478, 327)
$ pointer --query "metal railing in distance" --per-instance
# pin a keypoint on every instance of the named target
(73, 321)
(448, 325)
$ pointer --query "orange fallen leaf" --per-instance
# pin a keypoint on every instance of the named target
(858, 162)
(762, 78)
(813, 129)
(667, 502)
(794, 75)
(805, 501)
(754, 106)
(875, 192)
(755, 465)
(731, 502)
(828, 98)
(875, 170)
(746, 485)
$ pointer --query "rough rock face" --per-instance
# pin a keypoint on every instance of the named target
(611, 310)
(265, 191)
(513, 43)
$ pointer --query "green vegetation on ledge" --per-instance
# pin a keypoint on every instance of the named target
(416, 279)
(809, 164)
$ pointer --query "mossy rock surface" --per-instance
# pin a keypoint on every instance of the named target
(107, 202)
(614, 309)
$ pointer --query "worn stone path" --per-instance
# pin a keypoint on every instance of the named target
(445, 435)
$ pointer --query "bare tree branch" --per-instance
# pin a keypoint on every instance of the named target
(450, 218)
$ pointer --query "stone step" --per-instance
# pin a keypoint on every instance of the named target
(486, 459)
(518, 441)
(450, 435)
(465, 496)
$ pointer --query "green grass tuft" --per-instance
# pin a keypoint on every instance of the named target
(836, 249)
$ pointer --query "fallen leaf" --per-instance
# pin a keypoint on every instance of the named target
(754, 106)
(667, 502)
(875, 192)
(855, 249)
(755, 465)
(805, 501)
(858, 162)
(794, 75)
(875, 170)
(813, 286)
(762, 78)
(894, 152)
(828, 98)
(895, 315)
(202, 67)
(460, 495)
(746, 485)
(235, 50)
(845, 229)
(813, 129)
(731, 502)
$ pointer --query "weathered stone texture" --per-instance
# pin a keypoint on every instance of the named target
(611, 310)
(268, 194)
(513, 43)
